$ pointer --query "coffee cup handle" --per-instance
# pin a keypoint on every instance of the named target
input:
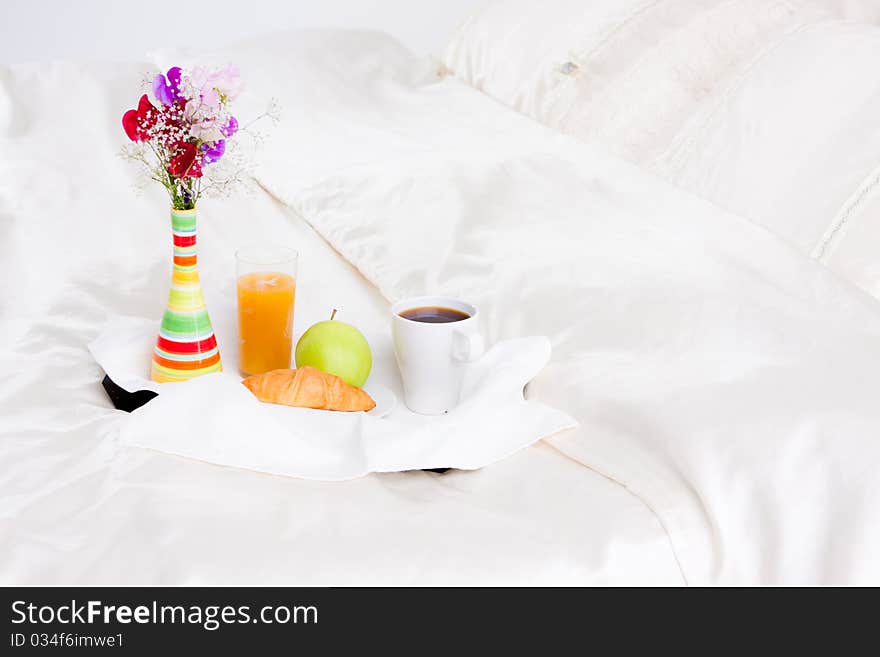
(468, 346)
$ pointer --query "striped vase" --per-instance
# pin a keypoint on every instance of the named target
(186, 346)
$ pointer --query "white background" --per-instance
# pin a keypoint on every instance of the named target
(41, 30)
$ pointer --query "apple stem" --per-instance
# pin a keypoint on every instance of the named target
(333, 314)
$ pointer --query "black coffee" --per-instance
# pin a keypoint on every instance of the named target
(434, 315)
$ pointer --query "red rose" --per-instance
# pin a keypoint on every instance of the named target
(137, 123)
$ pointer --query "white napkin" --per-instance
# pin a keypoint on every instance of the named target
(216, 419)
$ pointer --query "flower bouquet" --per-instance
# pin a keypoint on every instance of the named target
(177, 140)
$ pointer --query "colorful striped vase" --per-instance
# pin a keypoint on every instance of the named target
(186, 346)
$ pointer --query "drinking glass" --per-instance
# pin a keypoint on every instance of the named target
(266, 286)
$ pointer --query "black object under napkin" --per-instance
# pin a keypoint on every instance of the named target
(125, 400)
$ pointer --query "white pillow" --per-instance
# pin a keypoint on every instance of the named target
(769, 108)
(794, 139)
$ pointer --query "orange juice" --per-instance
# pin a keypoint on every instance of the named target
(265, 321)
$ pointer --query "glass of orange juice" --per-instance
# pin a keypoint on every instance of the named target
(266, 285)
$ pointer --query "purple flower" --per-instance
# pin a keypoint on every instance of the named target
(231, 127)
(168, 90)
(213, 152)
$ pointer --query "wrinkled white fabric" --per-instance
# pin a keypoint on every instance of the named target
(724, 377)
(720, 374)
(770, 109)
(78, 247)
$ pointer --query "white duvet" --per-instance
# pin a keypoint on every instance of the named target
(724, 377)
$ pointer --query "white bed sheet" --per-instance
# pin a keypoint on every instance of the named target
(78, 508)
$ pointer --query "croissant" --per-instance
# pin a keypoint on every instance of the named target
(308, 387)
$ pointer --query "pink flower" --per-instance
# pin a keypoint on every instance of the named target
(215, 88)
(227, 82)
(207, 95)
(204, 122)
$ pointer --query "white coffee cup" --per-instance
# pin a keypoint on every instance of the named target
(432, 356)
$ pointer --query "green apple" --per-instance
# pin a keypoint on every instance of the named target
(336, 348)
